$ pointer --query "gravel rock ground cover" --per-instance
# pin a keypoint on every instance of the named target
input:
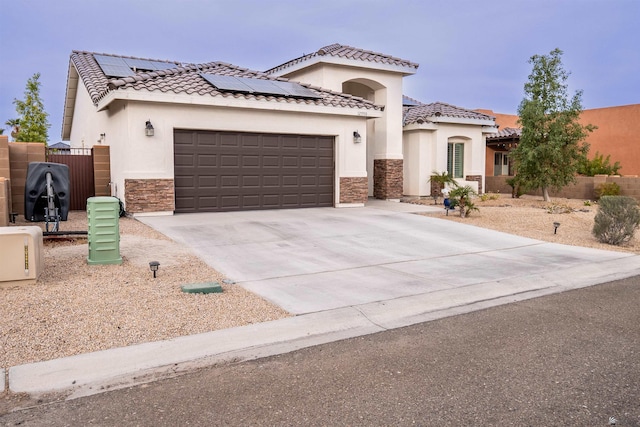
(78, 308)
(531, 216)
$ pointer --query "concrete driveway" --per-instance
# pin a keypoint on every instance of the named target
(311, 260)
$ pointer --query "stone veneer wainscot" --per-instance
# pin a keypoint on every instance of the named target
(149, 195)
(354, 189)
(387, 178)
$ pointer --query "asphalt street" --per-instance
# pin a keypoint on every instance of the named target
(567, 359)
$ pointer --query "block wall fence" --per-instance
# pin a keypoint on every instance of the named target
(584, 188)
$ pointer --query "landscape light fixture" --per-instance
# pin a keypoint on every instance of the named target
(356, 137)
(154, 265)
(555, 227)
(148, 129)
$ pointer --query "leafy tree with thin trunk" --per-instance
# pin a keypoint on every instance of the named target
(33, 120)
(552, 145)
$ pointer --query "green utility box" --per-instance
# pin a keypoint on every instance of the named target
(103, 214)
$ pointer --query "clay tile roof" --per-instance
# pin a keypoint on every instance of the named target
(506, 133)
(425, 113)
(343, 51)
(186, 78)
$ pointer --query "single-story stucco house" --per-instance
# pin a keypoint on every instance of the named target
(330, 128)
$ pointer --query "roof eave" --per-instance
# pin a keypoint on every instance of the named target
(489, 129)
(232, 102)
(461, 120)
(430, 126)
(73, 79)
(405, 70)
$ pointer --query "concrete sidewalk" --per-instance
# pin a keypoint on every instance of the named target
(343, 279)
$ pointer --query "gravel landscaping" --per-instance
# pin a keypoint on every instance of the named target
(77, 308)
(531, 216)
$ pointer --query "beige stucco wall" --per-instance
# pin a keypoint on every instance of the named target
(385, 133)
(425, 150)
(88, 124)
(136, 156)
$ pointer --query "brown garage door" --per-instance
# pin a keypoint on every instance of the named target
(231, 171)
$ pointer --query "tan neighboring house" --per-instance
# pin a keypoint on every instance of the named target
(617, 135)
(325, 129)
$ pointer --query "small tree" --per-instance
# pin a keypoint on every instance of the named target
(32, 123)
(462, 197)
(442, 178)
(552, 142)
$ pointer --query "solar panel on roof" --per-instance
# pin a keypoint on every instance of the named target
(139, 64)
(266, 87)
(113, 66)
(297, 90)
(226, 82)
(160, 65)
(259, 86)
(147, 65)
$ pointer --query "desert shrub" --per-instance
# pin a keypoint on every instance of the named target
(489, 196)
(607, 189)
(518, 187)
(616, 220)
(599, 165)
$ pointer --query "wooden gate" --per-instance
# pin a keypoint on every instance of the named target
(80, 163)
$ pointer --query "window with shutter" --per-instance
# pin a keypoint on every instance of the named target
(455, 159)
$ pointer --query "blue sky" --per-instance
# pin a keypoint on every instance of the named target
(473, 54)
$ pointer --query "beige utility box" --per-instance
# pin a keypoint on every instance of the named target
(21, 255)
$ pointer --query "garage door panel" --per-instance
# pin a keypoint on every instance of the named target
(289, 200)
(229, 140)
(290, 180)
(309, 181)
(271, 180)
(290, 162)
(229, 160)
(207, 160)
(226, 171)
(270, 141)
(250, 181)
(230, 181)
(207, 181)
(229, 201)
(188, 160)
(250, 141)
(271, 201)
(309, 162)
(270, 161)
(250, 161)
(290, 141)
(325, 144)
(310, 143)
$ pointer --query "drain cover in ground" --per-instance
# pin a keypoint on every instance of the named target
(202, 288)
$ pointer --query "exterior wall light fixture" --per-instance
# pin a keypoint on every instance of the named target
(356, 137)
(148, 129)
